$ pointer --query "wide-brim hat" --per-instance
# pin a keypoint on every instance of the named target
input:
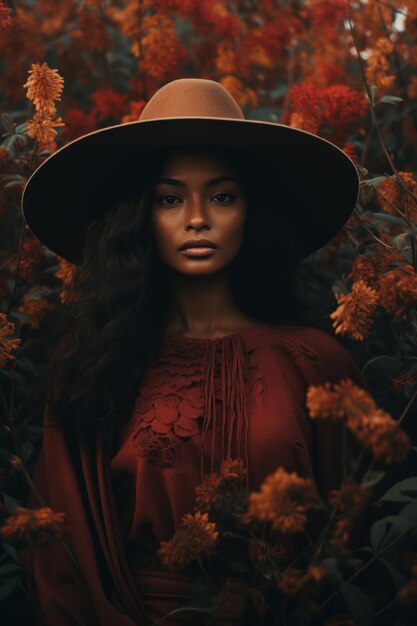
(81, 179)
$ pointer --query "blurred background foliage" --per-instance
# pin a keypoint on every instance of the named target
(346, 70)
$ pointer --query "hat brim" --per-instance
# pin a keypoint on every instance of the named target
(74, 184)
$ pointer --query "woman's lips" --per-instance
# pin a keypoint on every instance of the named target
(198, 251)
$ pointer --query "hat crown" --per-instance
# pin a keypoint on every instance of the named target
(191, 97)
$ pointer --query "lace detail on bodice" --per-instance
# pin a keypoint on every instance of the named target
(195, 384)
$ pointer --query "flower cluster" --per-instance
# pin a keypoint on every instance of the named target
(355, 310)
(37, 528)
(160, 50)
(377, 70)
(44, 86)
(283, 502)
(222, 494)
(35, 306)
(372, 426)
(350, 501)
(394, 199)
(7, 345)
(197, 536)
(337, 106)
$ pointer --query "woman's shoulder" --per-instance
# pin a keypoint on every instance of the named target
(300, 334)
(321, 354)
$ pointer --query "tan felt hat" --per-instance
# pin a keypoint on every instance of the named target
(84, 177)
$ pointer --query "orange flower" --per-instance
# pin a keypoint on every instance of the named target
(303, 121)
(327, 13)
(353, 315)
(5, 18)
(243, 95)
(66, 274)
(36, 306)
(44, 86)
(233, 469)
(260, 552)
(224, 492)
(136, 108)
(34, 527)
(42, 128)
(349, 499)
(92, 33)
(295, 581)
(391, 193)
(398, 290)
(160, 49)
(226, 58)
(283, 500)
(196, 536)
(377, 69)
(369, 269)
(7, 345)
(30, 258)
(380, 432)
(342, 105)
(349, 149)
(305, 105)
(347, 401)
(127, 19)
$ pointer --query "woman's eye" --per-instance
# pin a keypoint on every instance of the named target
(168, 200)
(222, 195)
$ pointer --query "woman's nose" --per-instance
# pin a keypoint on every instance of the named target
(195, 213)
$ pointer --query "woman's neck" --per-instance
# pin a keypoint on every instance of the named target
(202, 306)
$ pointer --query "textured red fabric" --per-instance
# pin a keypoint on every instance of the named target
(242, 394)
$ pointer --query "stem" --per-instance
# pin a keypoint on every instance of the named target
(370, 231)
(407, 408)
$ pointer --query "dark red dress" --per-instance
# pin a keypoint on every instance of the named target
(241, 395)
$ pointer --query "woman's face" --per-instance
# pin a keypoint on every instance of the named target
(199, 196)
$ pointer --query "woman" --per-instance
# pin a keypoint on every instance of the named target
(176, 352)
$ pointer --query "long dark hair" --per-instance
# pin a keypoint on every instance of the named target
(107, 334)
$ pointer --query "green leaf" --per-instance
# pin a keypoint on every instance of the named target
(404, 491)
(358, 603)
(372, 478)
(7, 122)
(390, 99)
(378, 533)
(396, 574)
(10, 503)
(374, 180)
(22, 128)
(9, 567)
(9, 586)
(386, 217)
(11, 551)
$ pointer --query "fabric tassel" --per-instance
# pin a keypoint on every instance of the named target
(233, 377)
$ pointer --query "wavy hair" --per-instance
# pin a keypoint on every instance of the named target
(106, 335)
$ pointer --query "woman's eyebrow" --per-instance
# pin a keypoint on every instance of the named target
(209, 183)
